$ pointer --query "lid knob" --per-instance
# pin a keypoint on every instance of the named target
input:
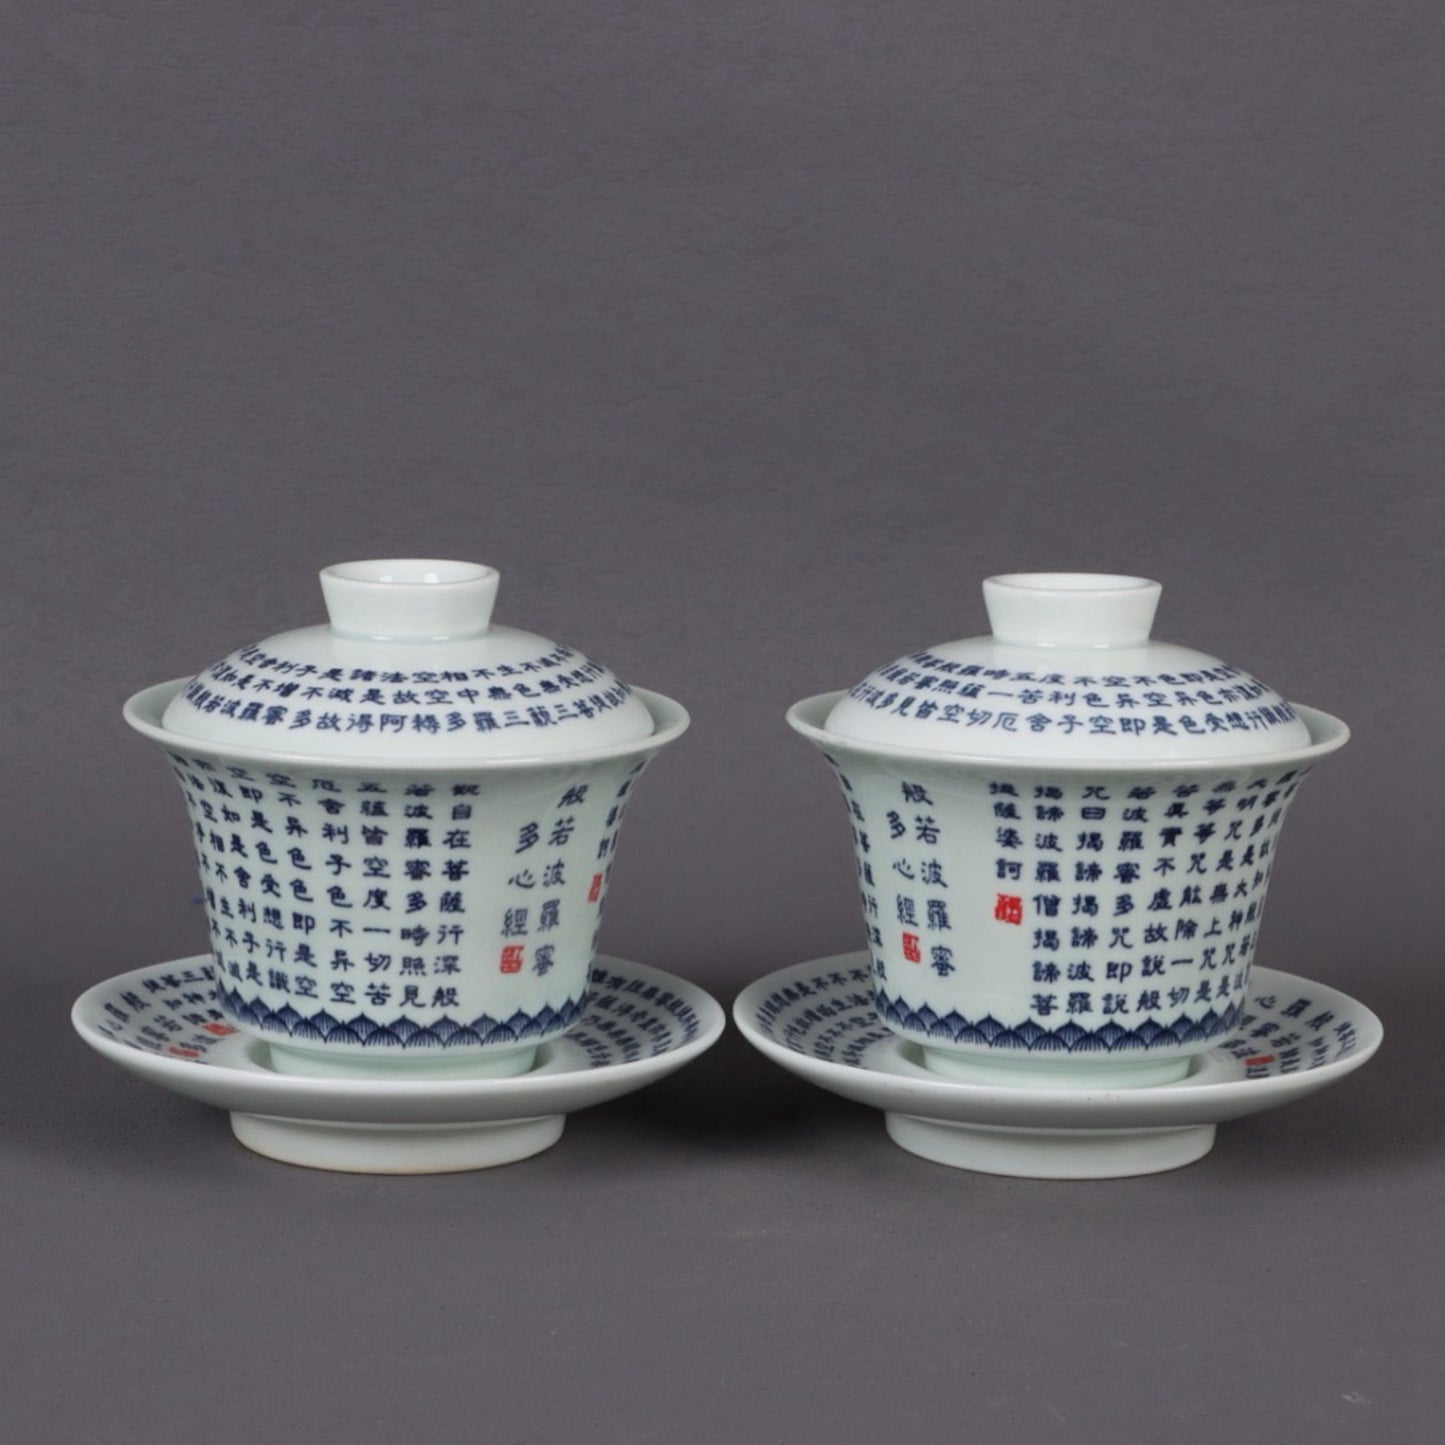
(1071, 609)
(409, 598)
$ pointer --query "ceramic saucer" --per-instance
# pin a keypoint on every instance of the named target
(161, 1023)
(818, 1021)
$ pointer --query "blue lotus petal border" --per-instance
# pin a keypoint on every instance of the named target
(402, 1032)
(1032, 1037)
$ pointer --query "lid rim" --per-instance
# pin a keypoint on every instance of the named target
(143, 710)
(1327, 734)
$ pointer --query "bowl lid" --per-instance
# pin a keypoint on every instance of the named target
(409, 666)
(1069, 673)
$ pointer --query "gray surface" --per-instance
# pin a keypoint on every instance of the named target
(745, 340)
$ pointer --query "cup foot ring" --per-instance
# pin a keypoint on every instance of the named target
(396, 1148)
(1050, 1153)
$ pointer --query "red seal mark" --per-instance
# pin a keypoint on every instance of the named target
(1008, 908)
(220, 1030)
(512, 955)
(911, 950)
(1259, 1060)
(595, 891)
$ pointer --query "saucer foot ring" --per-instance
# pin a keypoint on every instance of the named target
(396, 1149)
(1050, 1153)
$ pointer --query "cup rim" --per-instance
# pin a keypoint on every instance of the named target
(143, 711)
(1327, 734)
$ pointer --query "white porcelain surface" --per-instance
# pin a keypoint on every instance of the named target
(1064, 835)
(405, 823)
(818, 1020)
(161, 1023)
(404, 917)
(1062, 922)
(1068, 673)
(410, 665)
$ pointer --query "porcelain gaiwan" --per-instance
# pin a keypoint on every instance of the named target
(405, 822)
(1064, 833)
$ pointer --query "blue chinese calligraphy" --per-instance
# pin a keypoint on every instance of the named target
(1084, 912)
(1141, 903)
(410, 912)
(830, 1015)
(174, 1010)
(284, 697)
(975, 699)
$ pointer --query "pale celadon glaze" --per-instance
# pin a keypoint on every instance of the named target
(409, 665)
(1293, 1037)
(1069, 672)
(405, 822)
(164, 1024)
(1064, 835)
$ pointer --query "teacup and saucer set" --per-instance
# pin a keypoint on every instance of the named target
(1064, 833)
(405, 821)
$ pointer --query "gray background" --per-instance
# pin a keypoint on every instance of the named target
(745, 340)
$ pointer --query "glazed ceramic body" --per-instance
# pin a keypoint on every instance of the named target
(405, 820)
(1050, 923)
(1069, 673)
(1064, 834)
(366, 916)
(408, 668)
